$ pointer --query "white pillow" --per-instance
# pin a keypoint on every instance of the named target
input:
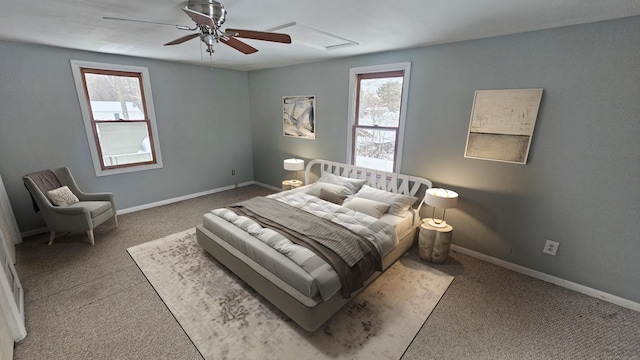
(316, 187)
(352, 185)
(62, 197)
(398, 203)
(369, 207)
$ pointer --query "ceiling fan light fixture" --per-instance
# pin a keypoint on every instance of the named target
(209, 39)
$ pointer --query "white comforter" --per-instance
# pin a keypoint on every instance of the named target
(325, 277)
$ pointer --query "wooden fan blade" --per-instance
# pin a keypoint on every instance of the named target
(261, 35)
(200, 18)
(239, 45)
(182, 39)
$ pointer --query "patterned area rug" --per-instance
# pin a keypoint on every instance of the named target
(226, 319)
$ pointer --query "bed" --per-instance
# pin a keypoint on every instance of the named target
(298, 279)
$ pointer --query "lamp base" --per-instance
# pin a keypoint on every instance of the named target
(437, 223)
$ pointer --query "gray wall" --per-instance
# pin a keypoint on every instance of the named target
(580, 186)
(202, 117)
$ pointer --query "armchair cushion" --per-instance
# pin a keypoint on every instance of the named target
(95, 207)
(62, 196)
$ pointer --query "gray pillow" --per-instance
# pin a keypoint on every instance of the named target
(352, 185)
(331, 196)
(369, 207)
(398, 203)
(316, 187)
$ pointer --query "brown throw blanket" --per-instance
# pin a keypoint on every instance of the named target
(353, 257)
(45, 180)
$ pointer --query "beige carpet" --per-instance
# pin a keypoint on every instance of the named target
(226, 319)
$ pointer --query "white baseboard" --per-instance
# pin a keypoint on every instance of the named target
(268, 186)
(32, 232)
(181, 198)
(154, 204)
(550, 279)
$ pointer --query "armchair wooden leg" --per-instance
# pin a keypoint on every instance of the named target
(52, 235)
(91, 240)
(115, 218)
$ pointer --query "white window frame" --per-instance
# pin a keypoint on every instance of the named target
(353, 87)
(76, 67)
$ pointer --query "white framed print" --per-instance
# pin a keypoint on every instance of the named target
(502, 123)
(299, 116)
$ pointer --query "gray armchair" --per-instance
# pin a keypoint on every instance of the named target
(92, 209)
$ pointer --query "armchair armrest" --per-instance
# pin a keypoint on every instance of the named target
(102, 196)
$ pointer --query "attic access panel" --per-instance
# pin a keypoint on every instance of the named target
(314, 38)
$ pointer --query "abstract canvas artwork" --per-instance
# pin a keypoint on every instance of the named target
(502, 123)
(298, 116)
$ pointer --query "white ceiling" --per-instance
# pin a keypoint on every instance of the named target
(375, 25)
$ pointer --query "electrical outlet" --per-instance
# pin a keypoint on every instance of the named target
(233, 172)
(551, 247)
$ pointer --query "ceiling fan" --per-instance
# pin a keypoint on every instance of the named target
(209, 15)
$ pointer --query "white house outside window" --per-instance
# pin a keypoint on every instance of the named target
(377, 116)
(118, 113)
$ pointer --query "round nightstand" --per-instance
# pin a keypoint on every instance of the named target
(434, 242)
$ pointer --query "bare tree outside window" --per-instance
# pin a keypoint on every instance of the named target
(379, 101)
(122, 91)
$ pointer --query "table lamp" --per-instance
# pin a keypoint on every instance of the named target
(440, 198)
(294, 165)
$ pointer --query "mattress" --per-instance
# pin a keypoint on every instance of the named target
(296, 265)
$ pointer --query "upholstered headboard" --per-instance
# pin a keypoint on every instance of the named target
(392, 182)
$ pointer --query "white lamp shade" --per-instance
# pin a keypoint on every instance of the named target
(441, 198)
(294, 164)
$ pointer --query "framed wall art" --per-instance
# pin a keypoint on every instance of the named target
(502, 123)
(298, 116)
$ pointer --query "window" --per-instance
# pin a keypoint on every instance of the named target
(117, 108)
(377, 110)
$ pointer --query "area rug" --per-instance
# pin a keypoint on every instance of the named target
(226, 319)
